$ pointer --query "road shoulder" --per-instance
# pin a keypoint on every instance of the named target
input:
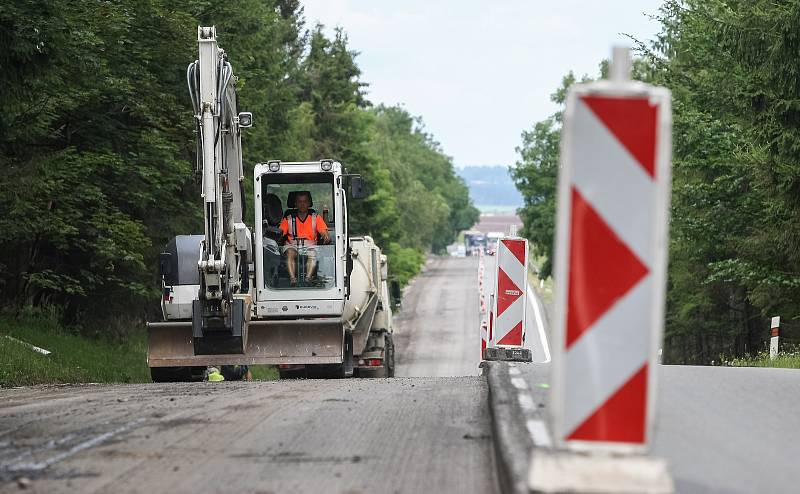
(518, 419)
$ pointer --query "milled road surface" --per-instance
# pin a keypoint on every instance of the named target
(422, 434)
(437, 331)
(400, 435)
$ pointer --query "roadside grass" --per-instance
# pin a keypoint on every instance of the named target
(543, 288)
(786, 359)
(75, 358)
(264, 372)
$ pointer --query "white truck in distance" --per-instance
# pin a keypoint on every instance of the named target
(228, 295)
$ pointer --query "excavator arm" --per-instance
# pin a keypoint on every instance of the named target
(219, 314)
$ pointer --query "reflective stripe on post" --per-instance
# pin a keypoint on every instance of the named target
(774, 336)
(484, 330)
(484, 337)
(610, 267)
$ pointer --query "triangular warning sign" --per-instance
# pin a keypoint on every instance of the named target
(513, 337)
(633, 123)
(602, 269)
(507, 292)
(621, 418)
(516, 247)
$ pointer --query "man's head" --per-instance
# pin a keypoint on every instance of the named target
(303, 202)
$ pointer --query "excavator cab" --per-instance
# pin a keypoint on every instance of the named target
(318, 287)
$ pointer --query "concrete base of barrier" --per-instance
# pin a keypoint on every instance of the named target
(560, 472)
(508, 354)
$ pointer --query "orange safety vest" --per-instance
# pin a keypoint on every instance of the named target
(303, 228)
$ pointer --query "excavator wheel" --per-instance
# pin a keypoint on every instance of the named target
(176, 374)
(292, 373)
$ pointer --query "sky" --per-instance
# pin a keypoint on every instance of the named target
(479, 72)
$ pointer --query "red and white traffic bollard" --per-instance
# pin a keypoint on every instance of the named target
(774, 336)
(610, 272)
(510, 302)
(484, 336)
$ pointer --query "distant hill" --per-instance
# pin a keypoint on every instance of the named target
(491, 188)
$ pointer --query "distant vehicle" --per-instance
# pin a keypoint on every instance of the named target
(492, 239)
(474, 242)
(460, 251)
(491, 249)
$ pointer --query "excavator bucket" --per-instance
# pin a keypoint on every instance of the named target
(306, 341)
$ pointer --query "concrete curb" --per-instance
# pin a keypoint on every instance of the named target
(512, 443)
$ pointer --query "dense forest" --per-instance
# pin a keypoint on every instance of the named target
(96, 143)
(735, 222)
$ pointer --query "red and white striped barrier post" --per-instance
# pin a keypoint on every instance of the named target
(509, 305)
(484, 336)
(610, 272)
(484, 331)
(491, 319)
(774, 336)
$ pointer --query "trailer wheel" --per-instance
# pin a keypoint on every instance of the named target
(387, 369)
(176, 374)
(388, 355)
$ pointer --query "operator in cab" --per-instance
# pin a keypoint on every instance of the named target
(302, 227)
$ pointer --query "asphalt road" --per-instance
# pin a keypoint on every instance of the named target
(421, 434)
(722, 429)
(730, 430)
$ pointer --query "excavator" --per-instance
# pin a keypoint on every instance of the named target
(232, 296)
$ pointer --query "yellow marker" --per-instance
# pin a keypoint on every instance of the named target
(214, 375)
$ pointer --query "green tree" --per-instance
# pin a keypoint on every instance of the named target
(734, 226)
(536, 174)
(97, 151)
(102, 151)
(734, 260)
(433, 202)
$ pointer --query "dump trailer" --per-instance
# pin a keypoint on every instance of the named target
(236, 295)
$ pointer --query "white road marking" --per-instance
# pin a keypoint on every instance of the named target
(538, 431)
(519, 383)
(539, 325)
(28, 345)
(514, 371)
(526, 401)
(90, 443)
